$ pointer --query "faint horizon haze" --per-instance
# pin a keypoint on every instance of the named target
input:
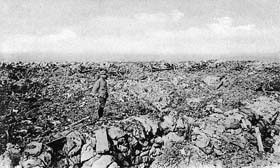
(137, 30)
(54, 57)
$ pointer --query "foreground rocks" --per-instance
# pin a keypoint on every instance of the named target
(174, 140)
(135, 141)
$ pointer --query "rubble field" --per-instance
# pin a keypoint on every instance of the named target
(158, 115)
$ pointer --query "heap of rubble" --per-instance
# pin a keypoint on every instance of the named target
(173, 140)
(158, 115)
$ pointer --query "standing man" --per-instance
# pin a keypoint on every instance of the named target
(100, 89)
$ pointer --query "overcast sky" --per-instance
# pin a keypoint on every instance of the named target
(139, 27)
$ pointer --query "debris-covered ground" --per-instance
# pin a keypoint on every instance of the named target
(190, 114)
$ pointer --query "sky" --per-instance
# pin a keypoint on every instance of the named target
(138, 29)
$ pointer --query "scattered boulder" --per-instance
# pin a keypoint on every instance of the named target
(74, 142)
(168, 123)
(180, 124)
(212, 81)
(36, 154)
(102, 143)
(149, 125)
(201, 140)
(115, 133)
(87, 152)
(172, 137)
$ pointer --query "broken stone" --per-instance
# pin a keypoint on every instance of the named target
(138, 160)
(32, 162)
(143, 165)
(264, 106)
(114, 165)
(215, 117)
(168, 123)
(139, 133)
(132, 141)
(232, 123)
(33, 148)
(125, 163)
(218, 164)
(22, 131)
(202, 140)
(46, 156)
(74, 161)
(13, 149)
(115, 133)
(103, 162)
(172, 137)
(246, 124)
(159, 140)
(212, 81)
(38, 129)
(148, 124)
(220, 128)
(55, 123)
(87, 152)
(90, 140)
(180, 124)
(238, 140)
(102, 143)
(189, 120)
(137, 152)
(11, 156)
(216, 143)
(26, 122)
(217, 110)
(122, 148)
(218, 152)
(145, 159)
(73, 143)
(120, 157)
(147, 148)
(145, 143)
(158, 152)
(89, 163)
(5, 161)
(152, 150)
(276, 145)
(145, 153)
(156, 145)
(183, 152)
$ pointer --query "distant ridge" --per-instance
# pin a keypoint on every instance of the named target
(55, 57)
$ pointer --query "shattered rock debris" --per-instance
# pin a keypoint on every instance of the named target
(158, 114)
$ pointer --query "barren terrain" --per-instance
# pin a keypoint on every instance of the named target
(158, 114)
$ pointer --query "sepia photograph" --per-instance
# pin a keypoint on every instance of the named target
(139, 83)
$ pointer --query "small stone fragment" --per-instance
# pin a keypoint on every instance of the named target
(87, 152)
(114, 165)
(180, 124)
(102, 143)
(202, 140)
(115, 133)
(33, 148)
(103, 162)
